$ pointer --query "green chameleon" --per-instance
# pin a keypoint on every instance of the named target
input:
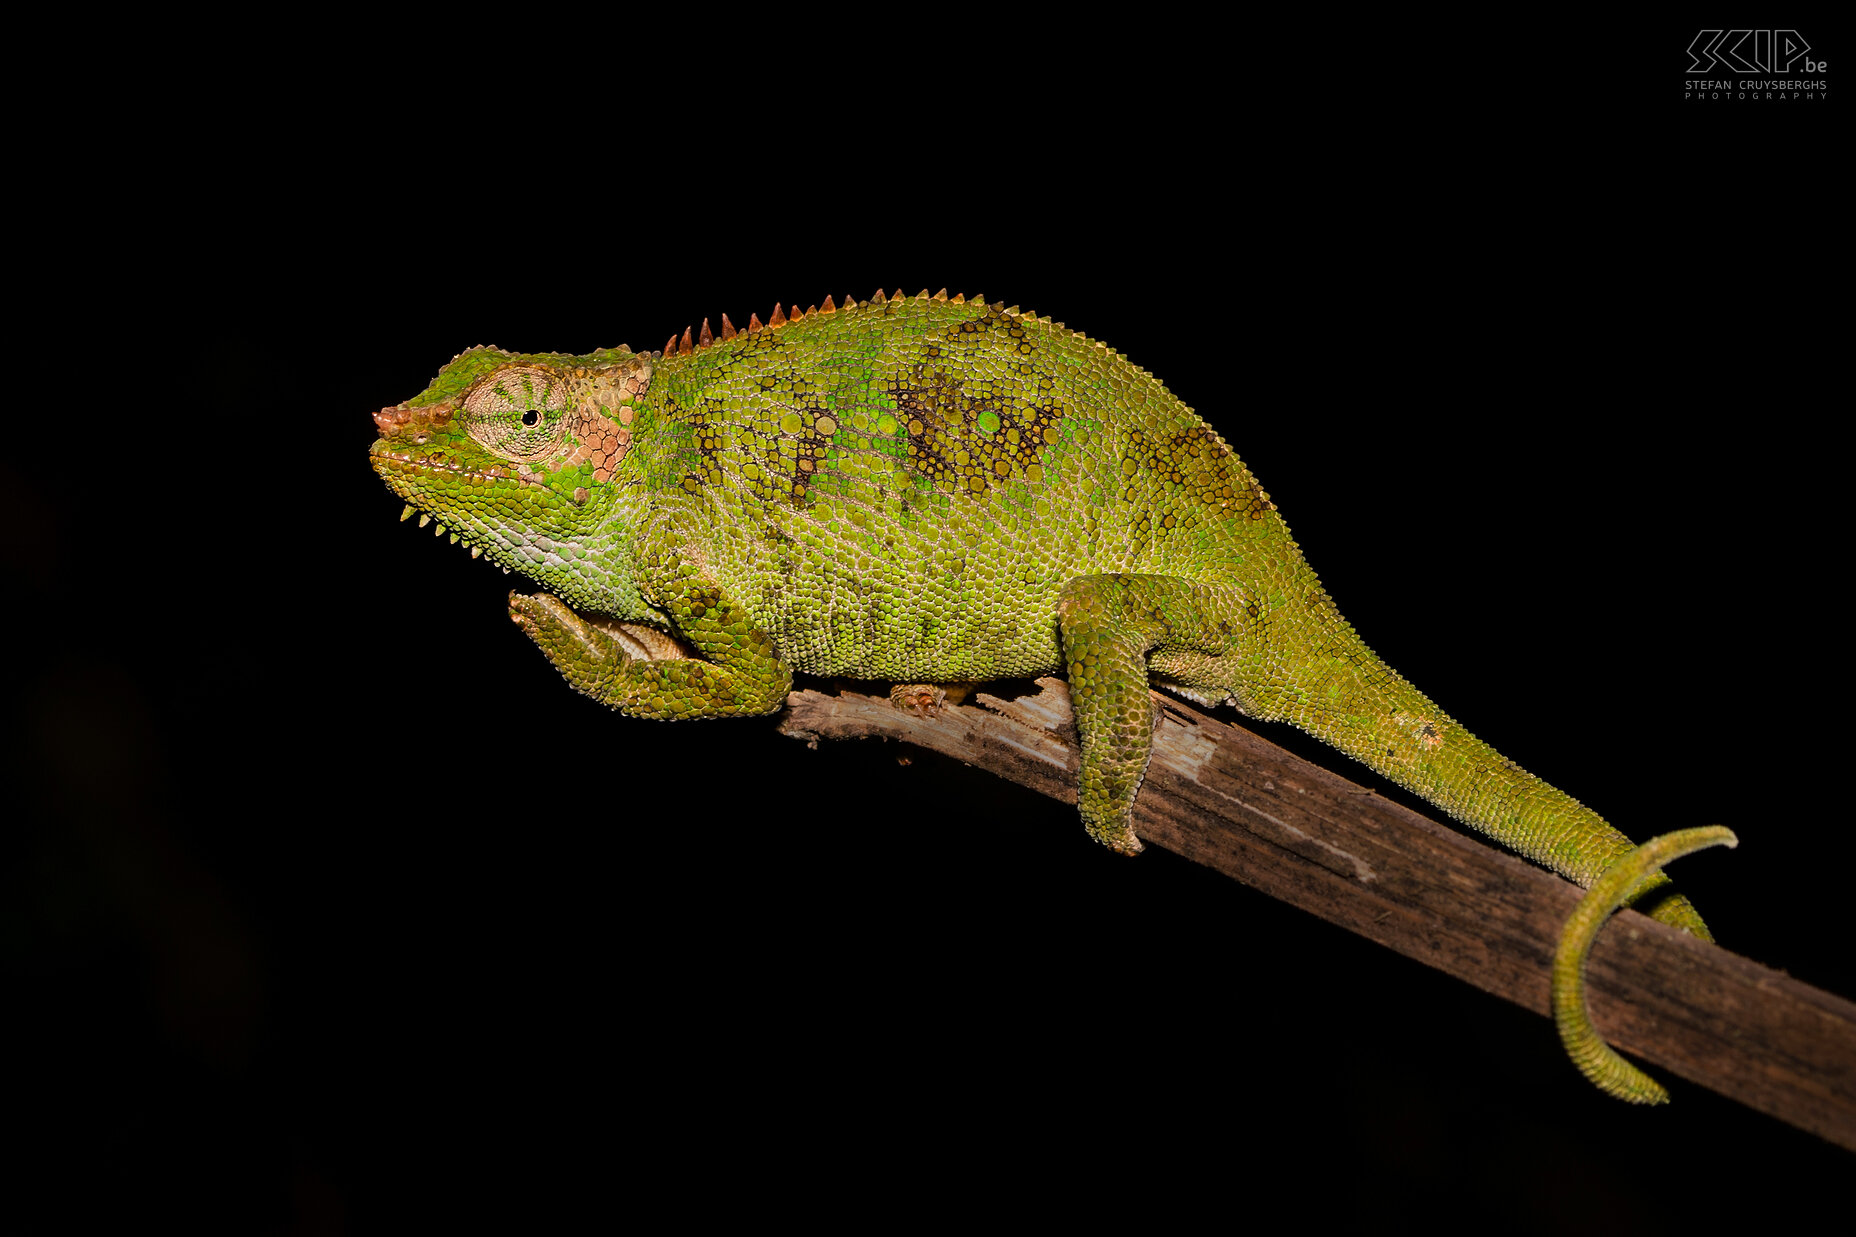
(935, 490)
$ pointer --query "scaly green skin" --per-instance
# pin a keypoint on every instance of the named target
(924, 490)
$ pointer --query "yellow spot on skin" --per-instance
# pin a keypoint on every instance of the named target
(827, 427)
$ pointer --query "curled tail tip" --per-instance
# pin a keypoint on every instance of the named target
(1597, 1060)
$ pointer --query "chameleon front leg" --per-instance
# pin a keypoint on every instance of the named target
(1109, 625)
(738, 673)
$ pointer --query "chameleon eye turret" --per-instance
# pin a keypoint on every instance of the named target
(518, 412)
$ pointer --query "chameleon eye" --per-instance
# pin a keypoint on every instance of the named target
(513, 412)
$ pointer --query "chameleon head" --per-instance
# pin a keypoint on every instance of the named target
(518, 457)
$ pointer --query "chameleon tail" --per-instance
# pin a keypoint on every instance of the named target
(1340, 691)
(1596, 1059)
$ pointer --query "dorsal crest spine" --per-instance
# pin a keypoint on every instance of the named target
(693, 341)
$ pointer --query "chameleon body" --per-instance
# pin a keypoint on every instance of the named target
(926, 490)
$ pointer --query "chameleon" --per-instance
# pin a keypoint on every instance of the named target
(935, 490)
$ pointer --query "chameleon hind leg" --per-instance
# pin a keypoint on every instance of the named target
(1110, 624)
(738, 673)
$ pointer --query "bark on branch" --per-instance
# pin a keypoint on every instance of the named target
(1223, 797)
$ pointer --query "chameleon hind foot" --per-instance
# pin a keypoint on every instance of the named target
(1109, 624)
(1596, 1059)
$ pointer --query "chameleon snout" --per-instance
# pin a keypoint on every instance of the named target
(394, 421)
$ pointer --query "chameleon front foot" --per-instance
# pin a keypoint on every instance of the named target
(744, 677)
(1596, 1059)
(587, 656)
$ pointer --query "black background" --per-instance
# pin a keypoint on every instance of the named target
(330, 908)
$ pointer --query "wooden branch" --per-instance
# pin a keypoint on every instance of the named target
(1223, 797)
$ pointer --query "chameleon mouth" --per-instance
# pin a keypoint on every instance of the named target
(387, 460)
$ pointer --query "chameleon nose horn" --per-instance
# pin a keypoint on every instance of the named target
(392, 420)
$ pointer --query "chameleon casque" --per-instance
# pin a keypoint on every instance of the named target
(926, 490)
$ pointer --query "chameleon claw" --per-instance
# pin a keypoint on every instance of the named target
(919, 699)
(1596, 1059)
(927, 699)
